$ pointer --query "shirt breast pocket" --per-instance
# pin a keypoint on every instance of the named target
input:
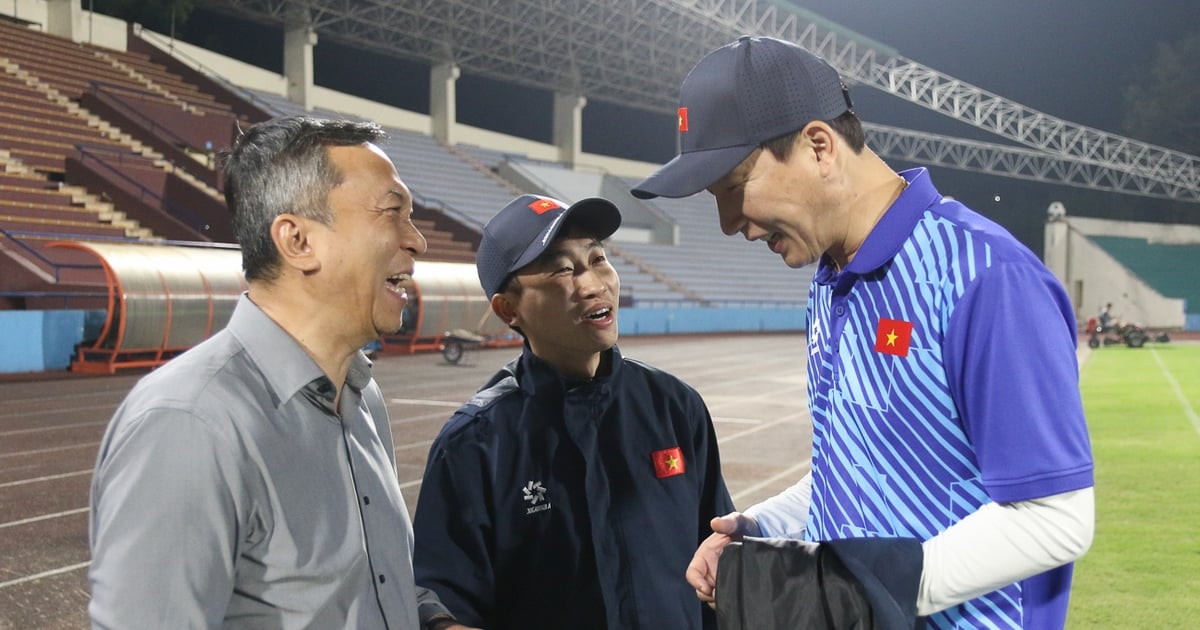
(868, 378)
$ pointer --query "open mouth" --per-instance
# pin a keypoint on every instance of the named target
(398, 282)
(773, 241)
(600, 313)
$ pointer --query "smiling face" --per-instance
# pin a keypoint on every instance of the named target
(369, 250)
(565, 303)
(785, 204)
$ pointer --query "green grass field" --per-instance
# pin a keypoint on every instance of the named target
(1143, 570)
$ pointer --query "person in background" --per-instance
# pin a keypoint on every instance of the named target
(942, 375)
(251, 482)
(572, 490)
(1106, 319)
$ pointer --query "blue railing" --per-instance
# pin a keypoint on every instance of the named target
(12, 236)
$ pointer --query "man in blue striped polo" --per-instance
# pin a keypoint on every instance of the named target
(942, 376)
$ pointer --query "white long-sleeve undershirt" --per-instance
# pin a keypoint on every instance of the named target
(998, 544)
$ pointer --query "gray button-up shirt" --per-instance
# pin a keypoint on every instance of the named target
(229, 492)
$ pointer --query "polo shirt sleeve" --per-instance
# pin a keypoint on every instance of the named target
(164, 523)
(452, 555)
(1010, 358)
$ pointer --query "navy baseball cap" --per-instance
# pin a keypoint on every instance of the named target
(738, 97)
(524, 228)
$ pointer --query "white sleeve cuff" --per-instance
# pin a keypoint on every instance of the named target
(785, 514)
(1003, 543)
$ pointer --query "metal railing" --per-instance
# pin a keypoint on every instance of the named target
(13, 236)
(147, 122)
(90, 152)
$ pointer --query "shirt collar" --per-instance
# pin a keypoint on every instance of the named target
(893, 228)
(285, 365)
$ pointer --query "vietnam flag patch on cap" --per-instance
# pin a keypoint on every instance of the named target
(668, 462)
(893, 337)
(543, 205)
(683, 119)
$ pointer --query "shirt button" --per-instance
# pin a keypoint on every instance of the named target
(841, 310)
(366, 500)
(382, 579)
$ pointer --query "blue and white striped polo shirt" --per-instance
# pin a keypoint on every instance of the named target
(942, 376)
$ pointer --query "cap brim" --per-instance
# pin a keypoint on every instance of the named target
(597, 216)
(689, 173)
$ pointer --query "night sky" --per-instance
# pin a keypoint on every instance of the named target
(1073, 59)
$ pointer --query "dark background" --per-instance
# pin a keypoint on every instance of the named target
(1079, 60)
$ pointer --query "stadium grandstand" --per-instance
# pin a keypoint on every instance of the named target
(116, 248)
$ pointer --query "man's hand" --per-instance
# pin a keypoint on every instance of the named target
(702, 571)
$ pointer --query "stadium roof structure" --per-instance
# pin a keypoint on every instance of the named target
(636, 52)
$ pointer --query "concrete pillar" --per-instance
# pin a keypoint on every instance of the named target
(298, 42)
(568, 126)
(62, 19)
(1056, 246)
(442, 101)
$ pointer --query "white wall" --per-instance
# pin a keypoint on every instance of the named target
(92, 28)
(237, 72)
(250, 76)
(1093, 278)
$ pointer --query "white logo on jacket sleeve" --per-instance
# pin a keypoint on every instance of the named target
(535, 494)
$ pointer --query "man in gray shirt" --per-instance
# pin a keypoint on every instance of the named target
(251, 481)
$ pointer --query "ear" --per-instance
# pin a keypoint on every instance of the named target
(505, 308)
(821, 140)
(293, 238)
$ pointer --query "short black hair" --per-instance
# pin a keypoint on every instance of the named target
(848, 126)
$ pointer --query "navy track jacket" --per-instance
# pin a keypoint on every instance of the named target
(551, 503)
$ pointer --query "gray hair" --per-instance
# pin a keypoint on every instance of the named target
(282, 166)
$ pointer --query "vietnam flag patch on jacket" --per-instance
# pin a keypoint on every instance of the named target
(668, 462)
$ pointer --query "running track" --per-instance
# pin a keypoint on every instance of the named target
(50, 429)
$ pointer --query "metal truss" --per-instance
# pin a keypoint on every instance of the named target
(1016, 162)
(636, 52)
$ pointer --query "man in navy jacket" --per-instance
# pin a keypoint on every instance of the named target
(572, 490)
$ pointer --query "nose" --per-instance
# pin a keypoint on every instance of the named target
(731, 218)
(414, 241)
(590, 283)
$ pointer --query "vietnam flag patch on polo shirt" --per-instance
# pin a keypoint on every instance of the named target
(893, 336)
(668, 462)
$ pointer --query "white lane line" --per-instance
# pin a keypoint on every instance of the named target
(9, 413)
(21, 482)
(44, 574)
(58, 427)
(793, 473)
(425, 403)
(44, 517)
(762, 427)
(1188, 410)
(412, 445)
(55, 449)
(737, 420)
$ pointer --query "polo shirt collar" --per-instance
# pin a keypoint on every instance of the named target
(894, 227)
